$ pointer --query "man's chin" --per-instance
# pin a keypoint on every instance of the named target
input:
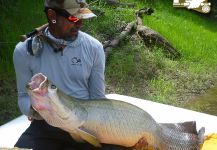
(72, 37)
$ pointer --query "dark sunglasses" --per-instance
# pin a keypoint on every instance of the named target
(64, 14)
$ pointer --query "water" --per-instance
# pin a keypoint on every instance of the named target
(206, 103)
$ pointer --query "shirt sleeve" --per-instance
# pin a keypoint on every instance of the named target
(23, 76)
(97, 77)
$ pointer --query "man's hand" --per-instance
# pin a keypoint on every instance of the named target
(142, 144)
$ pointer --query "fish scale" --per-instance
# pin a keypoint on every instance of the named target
(107, 121)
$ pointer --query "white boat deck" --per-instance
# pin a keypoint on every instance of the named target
(11, 131)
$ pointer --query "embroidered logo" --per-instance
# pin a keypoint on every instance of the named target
(76, 61)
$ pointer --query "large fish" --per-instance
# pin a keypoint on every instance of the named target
(105, 120)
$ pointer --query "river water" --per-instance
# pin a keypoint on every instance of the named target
(206, 103)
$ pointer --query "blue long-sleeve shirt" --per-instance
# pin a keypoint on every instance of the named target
(78, 71)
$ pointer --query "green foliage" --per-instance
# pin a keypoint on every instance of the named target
(175, 82)
(108, 24)
(130, 67)
(8, 99)
(16, 19)
(192, 35)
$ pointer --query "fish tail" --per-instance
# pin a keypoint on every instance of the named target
(175, 139)
(200, 134)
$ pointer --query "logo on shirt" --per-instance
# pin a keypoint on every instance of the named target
(76, 61)
(202, 6)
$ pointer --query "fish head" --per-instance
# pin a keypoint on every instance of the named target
(37, 89)
(38, 83)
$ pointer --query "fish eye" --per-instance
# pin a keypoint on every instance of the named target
(53, 86)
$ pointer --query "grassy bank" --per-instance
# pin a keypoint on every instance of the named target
(132, 69)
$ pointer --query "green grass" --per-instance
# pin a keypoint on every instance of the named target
(194, 35)
(16, 19)
(132, 69)
(8, 98)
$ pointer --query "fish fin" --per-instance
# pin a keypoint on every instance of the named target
(76, 137)
(200, 134)
(89, 138)
(187, 127)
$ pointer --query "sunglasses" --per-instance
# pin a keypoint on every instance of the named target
(64, 14)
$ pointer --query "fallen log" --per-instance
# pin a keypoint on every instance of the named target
(108, 45)
(152, 38)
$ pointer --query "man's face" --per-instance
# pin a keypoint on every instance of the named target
(67, 29)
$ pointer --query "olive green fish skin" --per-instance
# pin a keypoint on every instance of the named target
(121, 123)
(111, 121)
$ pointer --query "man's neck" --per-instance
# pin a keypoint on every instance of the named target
(55, 35)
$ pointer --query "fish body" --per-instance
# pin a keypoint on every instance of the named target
(104, 120)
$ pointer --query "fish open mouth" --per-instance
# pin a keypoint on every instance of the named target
(38, 82)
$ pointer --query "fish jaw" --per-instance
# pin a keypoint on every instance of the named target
(38, 84)
(38, 92)
(40, 102)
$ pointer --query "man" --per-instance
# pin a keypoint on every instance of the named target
(73, 60)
